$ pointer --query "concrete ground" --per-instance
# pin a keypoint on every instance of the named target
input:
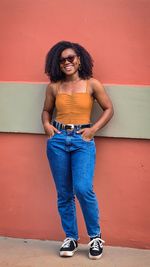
(16, 252)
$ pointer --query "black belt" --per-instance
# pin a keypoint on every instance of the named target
(61, 126)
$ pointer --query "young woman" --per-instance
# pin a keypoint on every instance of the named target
(70, 144)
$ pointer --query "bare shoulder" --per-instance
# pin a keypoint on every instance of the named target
(96, 87)
(52, 89)
(95, 84)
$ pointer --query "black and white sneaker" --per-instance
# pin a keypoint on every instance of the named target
(68, 247)
(96, 248)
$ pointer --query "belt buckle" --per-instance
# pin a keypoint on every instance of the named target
(71, 126)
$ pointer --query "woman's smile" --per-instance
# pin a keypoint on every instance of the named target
(68, 67)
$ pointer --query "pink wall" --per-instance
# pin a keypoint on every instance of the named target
(117, 35)
(115, 32)
(28, 197)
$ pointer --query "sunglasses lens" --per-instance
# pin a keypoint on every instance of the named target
(69, 59)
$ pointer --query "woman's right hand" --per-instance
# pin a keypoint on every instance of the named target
(50, 130)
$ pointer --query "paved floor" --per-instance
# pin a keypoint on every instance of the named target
(36, 253)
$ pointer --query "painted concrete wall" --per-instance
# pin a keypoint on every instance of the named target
(28, 197)
(131, 109)
(117, 35)
(116, 32)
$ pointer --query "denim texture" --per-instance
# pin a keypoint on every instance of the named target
(72, 163)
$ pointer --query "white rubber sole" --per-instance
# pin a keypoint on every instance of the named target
(67, 253)
(95, 257)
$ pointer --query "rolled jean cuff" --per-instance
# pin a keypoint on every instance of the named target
(96, 235)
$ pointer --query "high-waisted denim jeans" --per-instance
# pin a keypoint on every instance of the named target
(72, 162)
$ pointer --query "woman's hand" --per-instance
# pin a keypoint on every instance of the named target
(50, 130)
(87, 133)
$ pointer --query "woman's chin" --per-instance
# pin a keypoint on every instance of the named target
(69, 72)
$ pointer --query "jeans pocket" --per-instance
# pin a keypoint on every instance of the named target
(87, 141)
(53, 136)
(50, 138)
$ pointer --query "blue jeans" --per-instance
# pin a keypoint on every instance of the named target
(72, 162)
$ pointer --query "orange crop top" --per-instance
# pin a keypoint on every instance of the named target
(74, 108)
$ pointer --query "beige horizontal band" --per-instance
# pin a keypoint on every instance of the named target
(21, 106)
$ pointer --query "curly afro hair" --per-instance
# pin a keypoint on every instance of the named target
(52, 66)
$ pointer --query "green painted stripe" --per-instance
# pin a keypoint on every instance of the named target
(21, 106)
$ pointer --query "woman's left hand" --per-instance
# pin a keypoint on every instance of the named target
(87, 133)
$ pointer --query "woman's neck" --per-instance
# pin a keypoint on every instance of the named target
(72, 78)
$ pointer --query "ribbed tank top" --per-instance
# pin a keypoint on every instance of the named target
(74, 108)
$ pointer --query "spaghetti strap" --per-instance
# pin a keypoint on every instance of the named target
(58, 88)
(87, 85)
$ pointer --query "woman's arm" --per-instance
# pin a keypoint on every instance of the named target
(99, 93)
(47, 112)
(105, 103)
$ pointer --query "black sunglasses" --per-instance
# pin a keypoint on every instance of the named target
(70, 59)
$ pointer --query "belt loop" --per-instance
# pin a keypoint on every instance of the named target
(78, 127)
(56, 125)
(59, 126)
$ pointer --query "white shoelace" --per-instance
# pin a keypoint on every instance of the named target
(96, 242)
(66, 243)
